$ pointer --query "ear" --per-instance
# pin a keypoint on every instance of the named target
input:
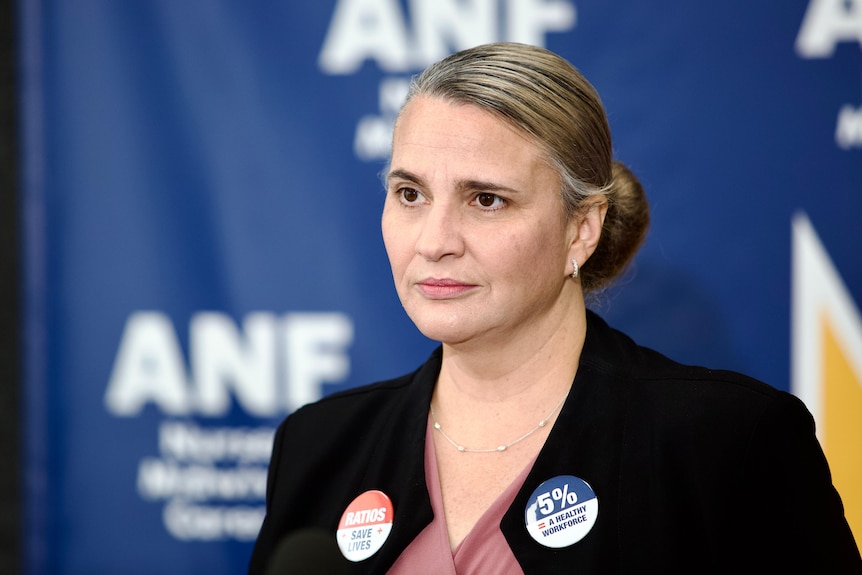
(586, 228)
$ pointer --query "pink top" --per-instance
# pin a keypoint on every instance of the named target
(484, 551)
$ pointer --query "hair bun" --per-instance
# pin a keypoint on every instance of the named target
(624, 230)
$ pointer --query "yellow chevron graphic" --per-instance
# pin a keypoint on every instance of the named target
(827, 363)
(842, 419)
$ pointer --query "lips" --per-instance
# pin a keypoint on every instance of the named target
(443, 288)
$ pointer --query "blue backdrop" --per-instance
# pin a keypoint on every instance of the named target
(201, 209)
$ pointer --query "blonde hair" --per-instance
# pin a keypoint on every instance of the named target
(541, 94)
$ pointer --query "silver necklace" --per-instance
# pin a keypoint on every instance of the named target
(499, 448)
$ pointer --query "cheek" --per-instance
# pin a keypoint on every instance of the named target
(396, 244)
(535, 249)
(534, 258)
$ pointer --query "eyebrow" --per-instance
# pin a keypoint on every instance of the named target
(404, 175)
(462, 185)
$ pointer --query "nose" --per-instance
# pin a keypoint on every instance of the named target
(440, 235)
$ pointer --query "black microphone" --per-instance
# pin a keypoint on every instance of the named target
(308, 552)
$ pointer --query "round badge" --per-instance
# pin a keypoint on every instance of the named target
(365, 525)
(561, 511)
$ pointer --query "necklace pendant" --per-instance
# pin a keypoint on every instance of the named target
(502, 448)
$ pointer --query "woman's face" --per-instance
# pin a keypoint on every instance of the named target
(474, 226)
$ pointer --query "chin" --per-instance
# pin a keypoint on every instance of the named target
(445, 330)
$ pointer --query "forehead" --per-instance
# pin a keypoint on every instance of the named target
(440, 134)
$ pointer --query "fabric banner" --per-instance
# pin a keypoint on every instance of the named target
(202, 252)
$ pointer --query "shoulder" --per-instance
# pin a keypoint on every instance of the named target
(344, 433)
(383, 403)
(687, 397)
(721, 442)
(355, 399)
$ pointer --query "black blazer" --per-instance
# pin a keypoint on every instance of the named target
(695, 470)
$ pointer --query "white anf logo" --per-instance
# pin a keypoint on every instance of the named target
(378, 30)
(826, 23)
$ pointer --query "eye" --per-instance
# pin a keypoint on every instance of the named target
(489, 201)
(409, 196)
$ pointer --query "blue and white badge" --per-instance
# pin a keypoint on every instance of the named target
(561, 511)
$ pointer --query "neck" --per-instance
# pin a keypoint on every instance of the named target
(490, 396)
(496, 369)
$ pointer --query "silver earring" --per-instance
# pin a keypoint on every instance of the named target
(575, 266)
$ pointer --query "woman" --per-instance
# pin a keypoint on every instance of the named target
(537, 439)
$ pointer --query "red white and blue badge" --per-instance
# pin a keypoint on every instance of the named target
(561, 511)
(365, 525)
